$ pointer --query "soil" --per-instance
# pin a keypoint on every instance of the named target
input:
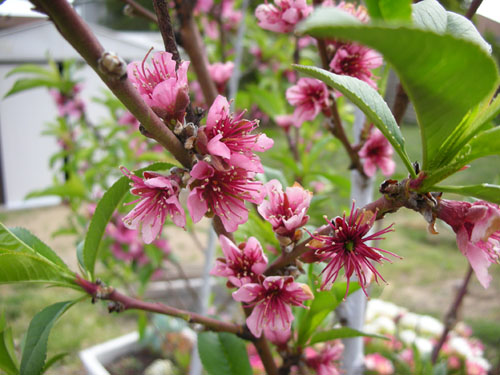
(133, 364)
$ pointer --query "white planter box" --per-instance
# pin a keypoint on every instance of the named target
(96, 357)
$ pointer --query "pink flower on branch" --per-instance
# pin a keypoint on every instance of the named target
(220, 74)
(241, 265)
(309, 97)
(356, 61)
(223, 193)
(158, 198)
(377, 152)
(378, 363)
(326, 361)
(477, 226)
(231, 139)
(286, 211)
(346, 248)
(283, 15)
(162, 87)
(272, 299)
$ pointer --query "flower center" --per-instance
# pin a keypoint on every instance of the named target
(349, 245)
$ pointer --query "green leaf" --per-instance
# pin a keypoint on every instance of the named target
(389, 10)
(430, 15)
(22, 267)
(30, 83)
(73, 188)
(487, 192)
(36, 244)
(277, 174)
(267, 101)
(223, 353)
(53, 360)
(440, 99)
(339, 289)
(8, 360)
(370, 102)
(33, 69)
(340, 333)
(35, 347)
(461, 27)
(103, 212)
(322, 305)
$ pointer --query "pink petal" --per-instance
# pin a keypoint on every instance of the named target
(216, 147)
(197, 206)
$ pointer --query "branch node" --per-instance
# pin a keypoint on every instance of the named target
(112, 65)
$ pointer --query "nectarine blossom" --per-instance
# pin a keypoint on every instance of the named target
(346, 248)
(477, 226)
(286, 211)
(309, 97)
(377, 152)
(272, 300)
(158, 198)
(283, 15)
(241, 265)
(163, 87)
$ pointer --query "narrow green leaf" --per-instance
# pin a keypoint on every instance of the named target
(73, 188)
(339, 289)
(104, 210)
(30, 83)
(370, 102)
(484, 144)
(33, 69)
(374, 9)
(35, 347)
(223, 353)
(487, 192)
(340, 333)
(267, 101)
(439, 107)
(8, 360)
(323, 304)
(53, 360)
(37, 245)
(23, 267)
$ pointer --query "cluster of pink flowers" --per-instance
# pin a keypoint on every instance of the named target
(477, 226)
(346, 248)
(271, 297)
(377, 152)
(222, 185)
(286, 211)
(379, 364)
(69, 105)
(163, 86)
(283, 15)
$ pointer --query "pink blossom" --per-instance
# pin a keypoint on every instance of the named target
(380, 364)
(286, 211)
(272, 299)
(241, 265)
(158, 198)
(283, 15)
(325, 362)
(203, 6)
(356, 61)
(231, 139)
(223, 193)
(286, 121)
(129, 119)
(220, 74)
(377, 152)
(309, 97)
(407, 356)
(231, 18)
(162, 87)
(360, 12)
(70, 105)
(346, 248)
(477, 226)
(475, 368)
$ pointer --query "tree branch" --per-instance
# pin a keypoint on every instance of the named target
(78, 34)
(141, 11)
(473, 8)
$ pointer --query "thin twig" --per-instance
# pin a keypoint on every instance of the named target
(451, 316)
(473, 8)
(141, 11)
(80, 36)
